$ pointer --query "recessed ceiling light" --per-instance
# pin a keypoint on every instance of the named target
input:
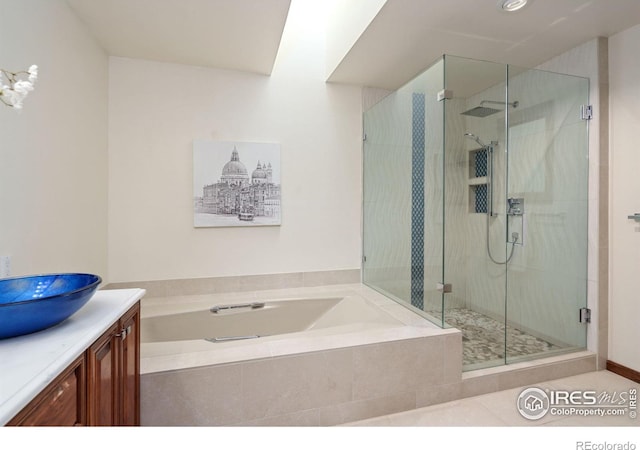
(511, 5)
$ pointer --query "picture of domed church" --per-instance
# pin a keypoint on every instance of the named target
(226, 194)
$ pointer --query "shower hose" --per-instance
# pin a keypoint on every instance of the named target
(515, 237)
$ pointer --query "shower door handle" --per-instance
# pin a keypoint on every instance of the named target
(445, 288)
(635, 217)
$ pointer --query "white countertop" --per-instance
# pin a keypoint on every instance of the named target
(29, 363)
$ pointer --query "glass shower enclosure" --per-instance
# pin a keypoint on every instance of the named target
(475, 206)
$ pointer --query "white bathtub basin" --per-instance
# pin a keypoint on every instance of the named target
(261, 319)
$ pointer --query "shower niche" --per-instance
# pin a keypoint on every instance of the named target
(478, 171)
(441, 173)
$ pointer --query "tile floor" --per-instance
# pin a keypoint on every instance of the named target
(499, 408)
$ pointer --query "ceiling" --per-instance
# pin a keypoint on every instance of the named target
(227, 34)
(407, 36)
(389, 45)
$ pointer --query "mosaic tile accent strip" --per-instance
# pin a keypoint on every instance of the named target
(417, 200)
(483, 338)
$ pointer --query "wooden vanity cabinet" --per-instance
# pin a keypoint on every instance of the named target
(113, 369)
(102, 387)
(102, 361)
(130, 369)
(61, 403)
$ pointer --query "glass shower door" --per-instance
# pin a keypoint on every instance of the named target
(515, 211)
(548, 184)
(475, 220)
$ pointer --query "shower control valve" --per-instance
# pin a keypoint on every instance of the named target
(516, 206)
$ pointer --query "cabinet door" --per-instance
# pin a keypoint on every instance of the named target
(62, 403)
(130, 368)
(102, 379)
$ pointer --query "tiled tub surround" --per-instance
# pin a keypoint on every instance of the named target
(317, 378)
(244, 283)
(324, 376)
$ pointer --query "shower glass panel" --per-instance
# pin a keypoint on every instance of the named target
(475, 206)
(475, 212)
(403, 195)
(548, 167)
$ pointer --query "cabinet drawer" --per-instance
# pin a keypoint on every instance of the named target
(61, 403)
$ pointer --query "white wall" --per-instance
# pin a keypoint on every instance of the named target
(156, 110)
(53, 153)
(624, 310)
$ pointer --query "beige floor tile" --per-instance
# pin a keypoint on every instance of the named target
(575, 421)
(504, 405)
(382, 421)
(598, 381)
(499, 408)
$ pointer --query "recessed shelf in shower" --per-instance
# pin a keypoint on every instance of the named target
(478, 171)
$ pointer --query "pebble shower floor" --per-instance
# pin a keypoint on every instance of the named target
(483, 338)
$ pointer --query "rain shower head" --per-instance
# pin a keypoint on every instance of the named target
(481, 111)
(484, 111)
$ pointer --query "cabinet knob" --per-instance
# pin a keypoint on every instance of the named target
(59, 392)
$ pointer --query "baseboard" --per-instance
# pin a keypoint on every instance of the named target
(623, 371)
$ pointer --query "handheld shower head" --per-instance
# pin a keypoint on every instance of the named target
(476, 138)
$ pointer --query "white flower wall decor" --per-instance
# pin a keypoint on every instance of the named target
(14, 87)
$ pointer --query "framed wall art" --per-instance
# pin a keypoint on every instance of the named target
(236, 184)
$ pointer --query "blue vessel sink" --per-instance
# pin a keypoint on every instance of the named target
(33, 303)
